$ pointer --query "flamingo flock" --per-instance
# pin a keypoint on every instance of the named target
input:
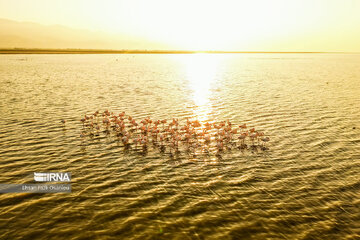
(173, 135)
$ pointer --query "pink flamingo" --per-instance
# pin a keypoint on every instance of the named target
(265, 140)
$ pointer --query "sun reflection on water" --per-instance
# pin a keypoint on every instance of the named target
(202, 71)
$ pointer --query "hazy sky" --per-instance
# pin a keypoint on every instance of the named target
(260, 25)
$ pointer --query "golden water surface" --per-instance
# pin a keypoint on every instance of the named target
(306, 186)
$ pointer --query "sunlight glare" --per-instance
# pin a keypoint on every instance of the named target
(201, 71)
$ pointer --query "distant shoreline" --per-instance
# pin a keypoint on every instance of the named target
(100, 51)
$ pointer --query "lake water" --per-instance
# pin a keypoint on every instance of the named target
(305, 186)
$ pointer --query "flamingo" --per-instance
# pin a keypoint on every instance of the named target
(253, 135)
(220, 145)
(242, 127)
(242, 138)
(260, 134)
(191, 133)
(83, 121)
(106, 121)
(207, 138)
(265, 140)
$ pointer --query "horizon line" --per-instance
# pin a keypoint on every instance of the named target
(140, 51)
